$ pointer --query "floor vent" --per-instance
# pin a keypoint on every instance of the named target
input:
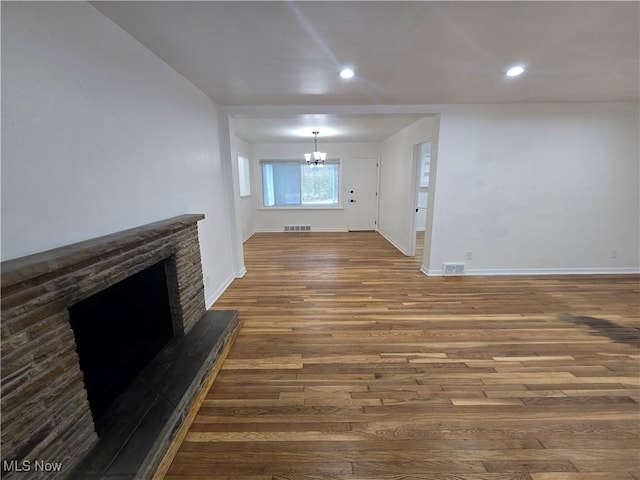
(452, 269)
(297, 228)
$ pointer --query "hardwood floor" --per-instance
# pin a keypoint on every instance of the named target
(351, 364)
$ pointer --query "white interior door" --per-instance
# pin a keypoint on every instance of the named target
(361, 193)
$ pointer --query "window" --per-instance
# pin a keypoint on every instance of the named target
(296, 184)
(244, 177)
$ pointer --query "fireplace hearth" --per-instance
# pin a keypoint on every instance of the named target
(109, 335)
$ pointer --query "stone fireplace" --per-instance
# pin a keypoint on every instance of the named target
(123, 318)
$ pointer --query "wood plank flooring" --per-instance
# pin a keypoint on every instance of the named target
(351, 364)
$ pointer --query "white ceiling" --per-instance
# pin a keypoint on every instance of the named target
(404, 53)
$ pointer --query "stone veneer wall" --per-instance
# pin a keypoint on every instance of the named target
(44, 406)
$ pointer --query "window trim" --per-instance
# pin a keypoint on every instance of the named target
(328, 161)
(244, 164)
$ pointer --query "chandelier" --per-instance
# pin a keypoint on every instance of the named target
(315, 159)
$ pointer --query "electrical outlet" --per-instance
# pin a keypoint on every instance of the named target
(469, 255)
(614, 254)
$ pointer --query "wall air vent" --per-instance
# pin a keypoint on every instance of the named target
(450, 269)
(297, 228)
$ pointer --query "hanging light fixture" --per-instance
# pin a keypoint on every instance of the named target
(315, 159)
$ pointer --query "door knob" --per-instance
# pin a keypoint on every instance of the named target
(352, 201)
(351, 191)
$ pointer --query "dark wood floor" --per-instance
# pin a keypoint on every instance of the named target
(351, 364)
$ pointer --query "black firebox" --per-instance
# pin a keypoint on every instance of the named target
(118, 331)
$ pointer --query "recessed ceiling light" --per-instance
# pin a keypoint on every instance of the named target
(346, 73)
(515, 71)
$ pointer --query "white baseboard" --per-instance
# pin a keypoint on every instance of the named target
(247, 237)
(388, 239)
(538, 271)
(211, 299)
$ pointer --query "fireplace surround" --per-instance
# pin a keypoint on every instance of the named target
(45, 411)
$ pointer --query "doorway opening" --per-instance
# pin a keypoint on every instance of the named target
(423, 158)
(419, 233)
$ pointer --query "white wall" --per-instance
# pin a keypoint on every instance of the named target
(396, 178)
(538, 189)
(100, 135)
(329, 220)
